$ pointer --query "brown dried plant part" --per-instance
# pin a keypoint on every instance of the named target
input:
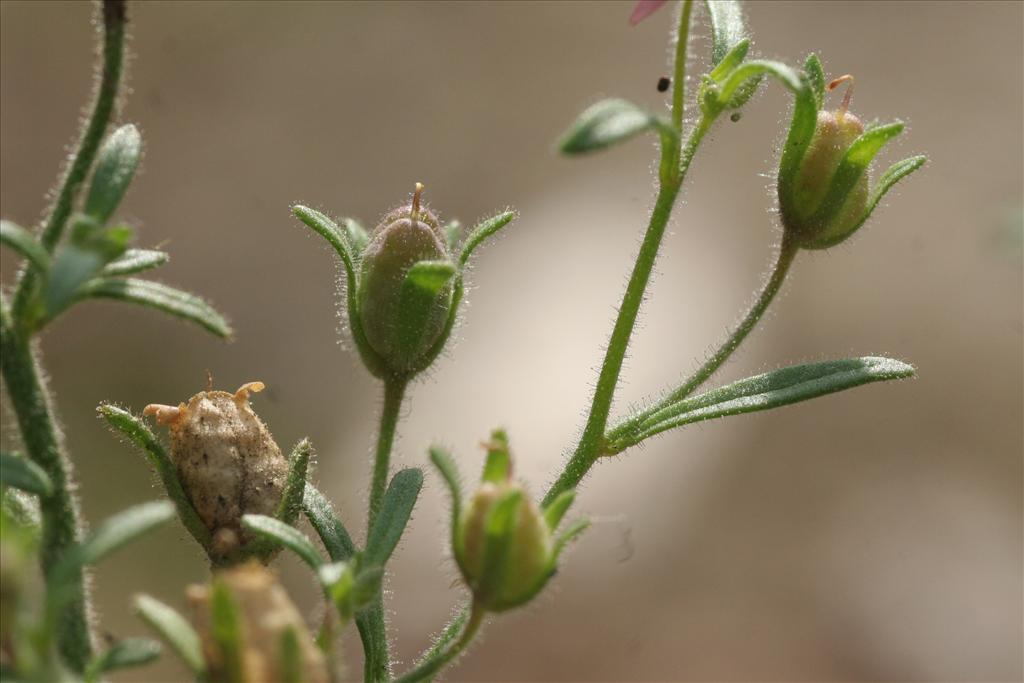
(227, 460)
(265, 612)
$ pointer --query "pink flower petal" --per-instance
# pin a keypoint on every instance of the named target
(644, 9)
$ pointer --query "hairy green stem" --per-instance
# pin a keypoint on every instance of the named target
(591, 443)
(787, 253)
(60, 514)
(371, 621)
(440, 659)
(679, 75)
(114, 15)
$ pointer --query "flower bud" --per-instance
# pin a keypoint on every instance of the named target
(265, 620)
(401, 317)
(502, 542)
(227, 462)
(524, 547)
(816, 219)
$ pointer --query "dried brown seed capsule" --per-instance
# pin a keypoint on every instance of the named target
(227, 460)
(265, 613)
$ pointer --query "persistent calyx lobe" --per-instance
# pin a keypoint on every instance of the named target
(405, 286)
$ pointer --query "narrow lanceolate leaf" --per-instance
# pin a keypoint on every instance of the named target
(332, 532)
(295, 487)
(115, 167)
(481, 232)
(727, 27)
(283, 534)
(124, 654)
(607, 123)
(763, 392)
(816, 78)
(122, 528)
(162, 298)
(290, 657)
(892, 175)
(226, 628)
(556, 510)
(357, 236)
(113, 534)
(571, 534)
(135, 261)
(329, 230)
(395, 510)
(139, 434)
(450, 473)
(174, 629)
(22, 473)
(21, 240)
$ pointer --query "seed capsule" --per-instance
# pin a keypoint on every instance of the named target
(265, 614)
(227, 461)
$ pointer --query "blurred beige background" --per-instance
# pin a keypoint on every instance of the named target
(875, 535)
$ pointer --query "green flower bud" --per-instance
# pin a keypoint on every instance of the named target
(405, 289)
(523, 543)
(503, 543)
(826, 196)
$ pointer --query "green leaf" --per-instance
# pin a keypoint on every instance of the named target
(892, 175)
(556, 510)
(358, 238)
(571, 534)
(727, 27)
(162, 298)
(450, 473)
(115, 167)
(22, 473)
(174, 629)
(498, 465)
(122, 528)
(816, 78)
(332, 532)
(731, 61)
(226, 628)
(283, 534)
(395, 510)
(21, 240)
(91, 247)
(607, 123)
(326, 228)
(452, 234)
(135, 261)
(430, 276)
(295, 486)
(291, 657)
(337, 580)
(481, 232)
(764, 392)
(125, 654)
(140, 435)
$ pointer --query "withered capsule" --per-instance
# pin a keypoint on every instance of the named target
(227, 461)
(265, 613)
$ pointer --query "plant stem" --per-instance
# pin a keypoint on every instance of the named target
(60, 515)
(787, 252)
(431, 666)
(590, 446)
(679, 77)
(370, 621)
(114, 21)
